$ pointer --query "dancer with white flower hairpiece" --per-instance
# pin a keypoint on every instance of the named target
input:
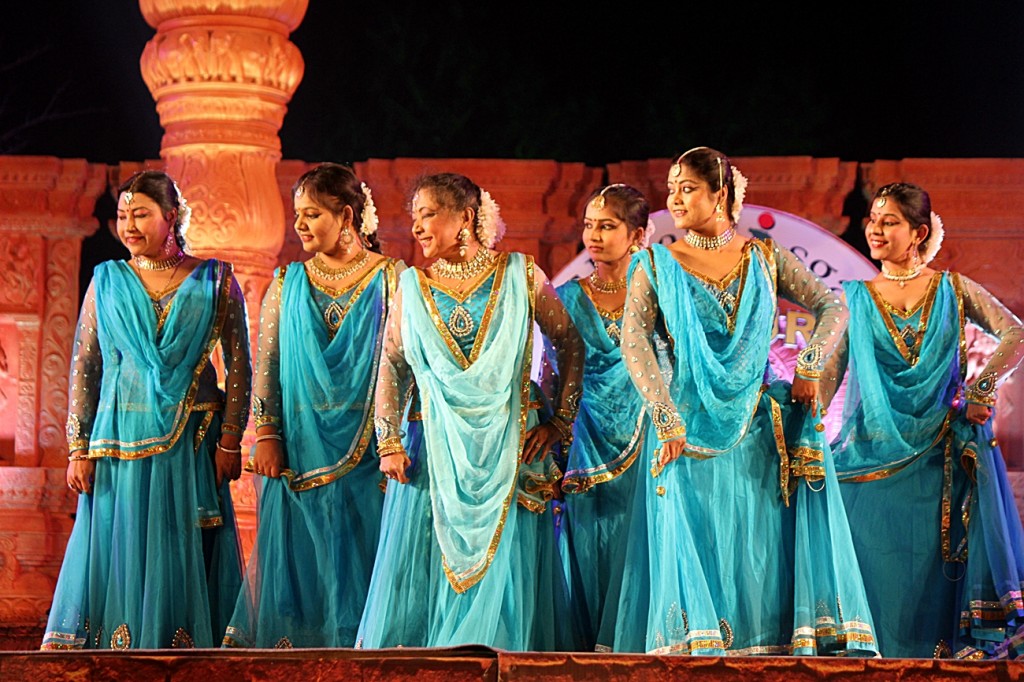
(738, 541)
(321, 334)
(467, 552)
(152, 561)
(931, 509)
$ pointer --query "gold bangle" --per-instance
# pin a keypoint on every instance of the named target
(390, 446)
(269, 436)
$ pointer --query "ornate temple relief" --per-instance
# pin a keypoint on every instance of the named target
(46, 207)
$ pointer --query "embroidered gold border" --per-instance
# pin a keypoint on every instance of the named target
(112, 448)
(359, 284)
(740, 270)
(201, 431)
(958, 289)
(318, 478)
(698, 452)
(886, 310)
(462, 296)
(582, 480)
(470, 577)
(904, 463)
(612, 315)
(425, 286)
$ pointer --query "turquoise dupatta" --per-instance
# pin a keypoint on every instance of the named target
(474, 413)
(891, 413)
(151, 369)
(327, 384)
(609, 426)
(719, 371)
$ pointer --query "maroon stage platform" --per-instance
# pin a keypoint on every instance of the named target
(472, 663)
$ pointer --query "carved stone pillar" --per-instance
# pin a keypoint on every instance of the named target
(222, 73)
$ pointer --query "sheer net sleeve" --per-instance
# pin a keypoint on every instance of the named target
(558, 328)
(986, 311)
(639, 344)
(266, 388)
(834, 372)
(85, 377)
(234, 343)
(394, 377)
(799, 285)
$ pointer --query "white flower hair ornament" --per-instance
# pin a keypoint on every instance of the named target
(934, 241)
(490, 227)
(369, 215)
(184, 215)
(739, 185)
(645, 241)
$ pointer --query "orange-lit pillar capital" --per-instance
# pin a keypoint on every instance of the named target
(222, 73)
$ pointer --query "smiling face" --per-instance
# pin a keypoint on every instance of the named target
(141, 225)
(435, 227)
(318, 228)
(690, 200)
(606, 237)
(889, 234)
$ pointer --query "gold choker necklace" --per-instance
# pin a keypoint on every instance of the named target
(699, 241)
(466, 270)
(325, 271)
(143, 263)
(902, 277)
(604, 286)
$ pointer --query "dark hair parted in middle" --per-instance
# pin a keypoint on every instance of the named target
(714, 168)
(627, 203)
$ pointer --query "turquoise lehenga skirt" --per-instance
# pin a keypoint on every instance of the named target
(517, 604)
(306, 581)
(153, 561)
(945, 568)
(727, 557)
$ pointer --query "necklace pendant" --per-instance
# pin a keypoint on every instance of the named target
(460, 322)
(333, 316)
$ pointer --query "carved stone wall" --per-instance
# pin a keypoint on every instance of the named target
(46, 207)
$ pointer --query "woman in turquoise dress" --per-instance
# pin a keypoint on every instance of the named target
(738, 540)
(321, 332)
(153, 561)
(467, 552)
(600, 475)
(931, 510)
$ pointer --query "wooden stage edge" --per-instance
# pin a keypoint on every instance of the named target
(472, 663)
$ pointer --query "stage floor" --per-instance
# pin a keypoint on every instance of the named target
(472, 663)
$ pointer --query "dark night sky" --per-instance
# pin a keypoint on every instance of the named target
(855, 80)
